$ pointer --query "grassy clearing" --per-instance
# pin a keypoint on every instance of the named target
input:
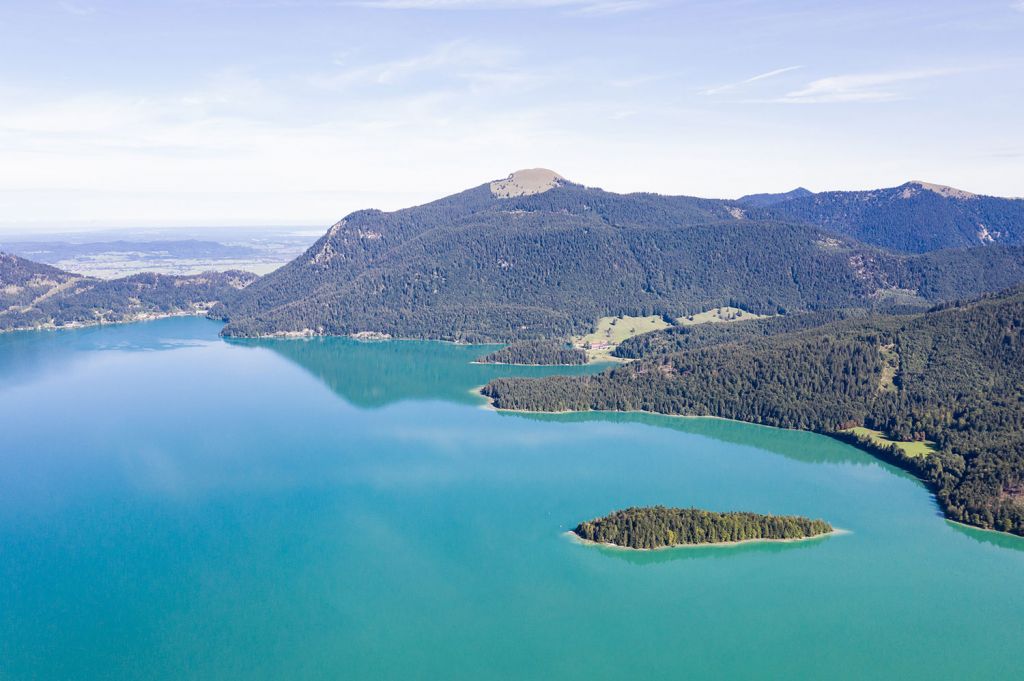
(899, 296)
(613, 330)
(718, 315)
(890, 365)
(908, 448)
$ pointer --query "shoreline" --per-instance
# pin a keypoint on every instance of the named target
(75, 326)
(490, 406)
(311, 335)
(554, 366)
(984, 529)
(724, 544)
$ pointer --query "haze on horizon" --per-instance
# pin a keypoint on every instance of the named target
(224, 112)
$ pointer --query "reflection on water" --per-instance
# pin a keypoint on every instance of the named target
(679, 553)
(796, 445)
(27, 354)
(375, 374)
(1000, 539)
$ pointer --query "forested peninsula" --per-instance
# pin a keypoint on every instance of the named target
(660, 527)
(950, 381)
(540, 352)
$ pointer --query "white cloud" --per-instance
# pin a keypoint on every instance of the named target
(720, 89)
(864, 87)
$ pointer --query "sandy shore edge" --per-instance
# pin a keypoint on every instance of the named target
(587, 542)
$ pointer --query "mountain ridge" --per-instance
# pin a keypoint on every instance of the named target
(915, 217)
(769, 199)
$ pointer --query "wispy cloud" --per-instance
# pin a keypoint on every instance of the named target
(113, 152)
(578, 7)
(76, 9)
(460, 61)
(607, 8)
(728, 87)
(863, 87)
(1019, 5)
(636, 81)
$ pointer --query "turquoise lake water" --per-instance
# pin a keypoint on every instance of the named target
(174, 506)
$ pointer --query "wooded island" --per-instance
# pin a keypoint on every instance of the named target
(659, 527)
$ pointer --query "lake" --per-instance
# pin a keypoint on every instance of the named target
(175, 506)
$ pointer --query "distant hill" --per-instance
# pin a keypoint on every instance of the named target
(539, 256)
(34, 295)
(763, 200)
(915, 217)
(115, 257)
(54, 251)
(947, 386)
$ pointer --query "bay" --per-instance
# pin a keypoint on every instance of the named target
(176, 506)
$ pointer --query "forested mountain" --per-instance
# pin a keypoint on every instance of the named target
(915, 217)
(952, 376)
(33, 295)
(763, 200)
(490, 264)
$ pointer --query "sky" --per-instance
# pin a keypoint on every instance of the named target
(297, 112)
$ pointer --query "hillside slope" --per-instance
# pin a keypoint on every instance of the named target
(33, 295)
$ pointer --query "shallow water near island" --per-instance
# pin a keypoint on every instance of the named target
(176, 506)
